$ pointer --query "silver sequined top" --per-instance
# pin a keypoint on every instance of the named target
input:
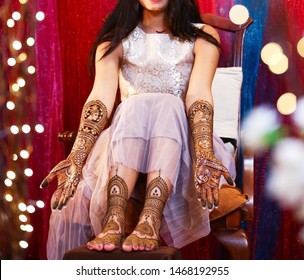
(155, 63)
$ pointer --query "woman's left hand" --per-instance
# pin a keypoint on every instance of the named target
(207, 174)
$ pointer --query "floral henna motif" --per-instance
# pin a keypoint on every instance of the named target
(208, 169)
(93, 121)
(115, 219)
(146, 234)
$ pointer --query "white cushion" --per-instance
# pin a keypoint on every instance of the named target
(226, 90)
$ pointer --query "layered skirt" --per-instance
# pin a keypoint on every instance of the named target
(149, 132)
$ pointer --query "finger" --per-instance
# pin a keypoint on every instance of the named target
(73, 191)
(62, 197)
(198, 193)
(228, 178)
(47, 180)
(216, 197)
(67, 194)
(55, 198)
(209, 198)
(203, 197)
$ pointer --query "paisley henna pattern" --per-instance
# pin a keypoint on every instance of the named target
(208, 169)
(115, 218)
(146, 234)
(93, 121)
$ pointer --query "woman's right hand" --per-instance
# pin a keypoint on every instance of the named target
(68, 175)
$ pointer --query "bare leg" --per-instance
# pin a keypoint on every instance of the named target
(146, 234)
(120, 186)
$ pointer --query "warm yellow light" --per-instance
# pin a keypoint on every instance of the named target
(8, 197)
(22, 218)
(30, 41)
(10, 105)
(11, 174)
(11, 61)
(300, 47)
(22, 206)
(26, 128)
(24, 154)
(31, 69)
(21, 82)
(270, 50)
(15, 87)
(17, 45)
(8, 182)
(14, 157)
(28, 172)
(29, 228)
(40, 16)
(23, 244)
(40, 204)
(10, 23)
(16, 15)
(23, 227)
(287, 103)
(281, 66)
(239, 14)
(22, 57)
(31, 209)
(39, 128)
(23, 1)
(14, 129)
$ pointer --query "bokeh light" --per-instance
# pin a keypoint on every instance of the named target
(269, 50)
(238, 14)
(287, 103)
(281, 65)
(300, 47)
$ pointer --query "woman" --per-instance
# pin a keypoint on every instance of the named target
(163, 65)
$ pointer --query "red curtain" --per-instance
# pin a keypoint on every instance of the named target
(63, 43)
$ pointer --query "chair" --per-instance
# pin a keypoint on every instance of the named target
(227, 227)
(226, 222)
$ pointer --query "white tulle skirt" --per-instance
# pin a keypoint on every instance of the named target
(149, 132)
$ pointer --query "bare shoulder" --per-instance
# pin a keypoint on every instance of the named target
(201, 44)
(211, 31)
(103, 47)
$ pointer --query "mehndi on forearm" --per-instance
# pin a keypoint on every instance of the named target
(200, 115)
(93, 121)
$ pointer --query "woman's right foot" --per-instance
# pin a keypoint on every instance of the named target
(110, 238)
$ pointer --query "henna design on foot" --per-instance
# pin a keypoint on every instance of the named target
(146, 234)
(110, 238)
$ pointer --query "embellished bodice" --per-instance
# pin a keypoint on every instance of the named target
(155, 63)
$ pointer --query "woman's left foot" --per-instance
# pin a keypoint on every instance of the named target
(145, 236)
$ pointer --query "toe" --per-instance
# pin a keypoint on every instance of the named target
(127, 248)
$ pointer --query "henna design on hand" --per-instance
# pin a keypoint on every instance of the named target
(208, 169)
(68, 172)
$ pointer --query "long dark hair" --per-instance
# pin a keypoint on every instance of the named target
(128, 13)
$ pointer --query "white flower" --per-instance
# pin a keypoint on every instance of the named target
(286, 181)
(259, 123)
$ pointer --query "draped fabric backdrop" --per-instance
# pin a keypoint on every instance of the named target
(63, 41)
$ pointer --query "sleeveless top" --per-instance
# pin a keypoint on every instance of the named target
(155, 63)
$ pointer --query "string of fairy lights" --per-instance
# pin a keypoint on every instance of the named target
(18, 20)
